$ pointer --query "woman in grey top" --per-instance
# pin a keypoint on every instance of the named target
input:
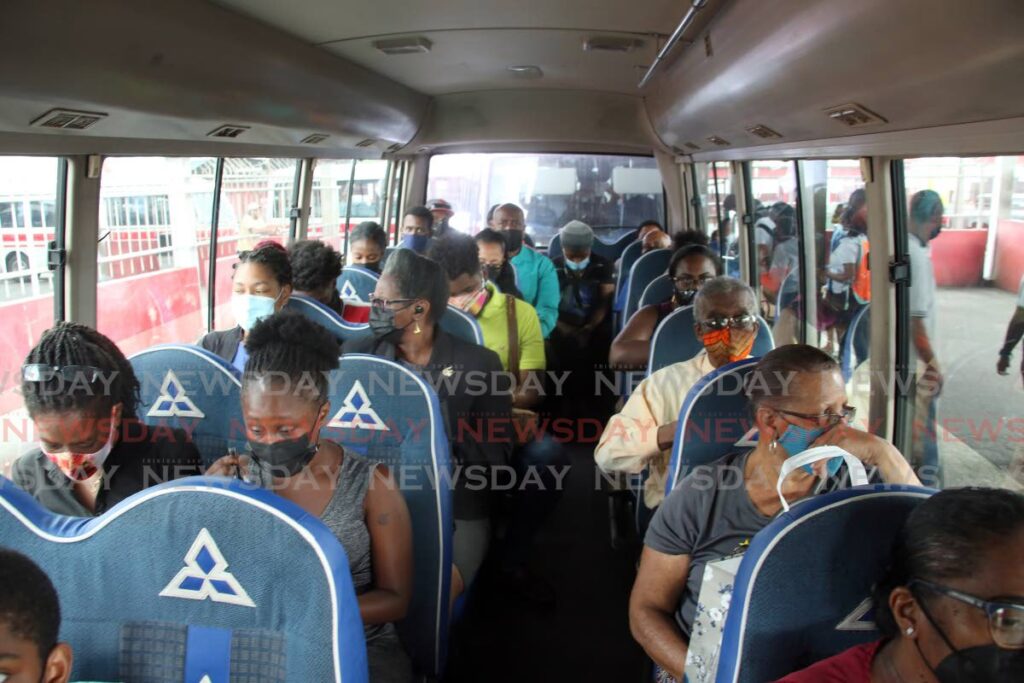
(799, 399)
(284, 403)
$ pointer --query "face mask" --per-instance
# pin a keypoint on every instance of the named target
(935, 232)
(492, 272)
(728, 345)
(82, 466)
(382, 325)
(284, 458)
(417, 243)
(684, 297)
(577, 265)
(981, 664)
(374, 266)
(471, 303)
(514, 239)
(249, 309)
(796, 440)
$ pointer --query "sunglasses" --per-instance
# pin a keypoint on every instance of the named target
(40, 372)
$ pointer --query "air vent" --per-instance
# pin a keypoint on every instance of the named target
(227, 131)
(315, 138)
(395, 147)
(611, 44)
(721, 142)
(764, 132)
(528, 71)
(369, 142)
(404, 46)
(422, 150)
(854, 115)
(692, 145)
(68, 119)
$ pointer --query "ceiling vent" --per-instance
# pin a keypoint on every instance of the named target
(410, 45)
(395, 147)
(611, 44)
(68, 119)
(764, 132)
(528, 71)
(692, 145)
(227, 131)
(368, 142)
(854, 115)
(315, 138)
(716, 140)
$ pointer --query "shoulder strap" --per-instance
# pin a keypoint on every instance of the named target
(513, 335)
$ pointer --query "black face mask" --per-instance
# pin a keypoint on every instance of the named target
(684, 297)
(935, 232)
(493, 272)
(374, 266)
(284, 458)
(382, 325)
(515, 240)
(981, 664)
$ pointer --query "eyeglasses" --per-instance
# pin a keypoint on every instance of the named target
(848, 414)
(40, 372)
(381, 304)
(691, 282)
(1005, 619)
(736, 322)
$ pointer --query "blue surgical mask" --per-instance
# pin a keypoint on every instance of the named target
(577, 265)
(249, 309)
(796, 440)
(417, 243)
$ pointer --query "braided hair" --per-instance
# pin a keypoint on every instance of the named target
(289, 345)
(272, 255)
(67, 344)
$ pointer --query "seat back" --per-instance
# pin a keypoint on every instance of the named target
(555, 246)
(387, 413)
(613, 250)
(658, 291)
(356, 283)
(647, 267)
(458, 323)
(856, 342)
(192, 389)
(630, 254)
(197, 577)
(803, 591)
(342, 330)
(714, 417)
(675, 341)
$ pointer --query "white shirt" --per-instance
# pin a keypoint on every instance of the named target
(849, 250)
(922, 285)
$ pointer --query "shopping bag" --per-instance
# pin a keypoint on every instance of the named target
(709, 619)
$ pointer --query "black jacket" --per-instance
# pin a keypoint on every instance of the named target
(224, 343)
(465, 377)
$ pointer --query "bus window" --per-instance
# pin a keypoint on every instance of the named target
(612, 194)
(28, 200)
(966, 247)
(259, 194)
(154, 249)
(331, 192)
(776, 236)
(720, 216)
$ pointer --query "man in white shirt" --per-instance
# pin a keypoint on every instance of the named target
(642, 434)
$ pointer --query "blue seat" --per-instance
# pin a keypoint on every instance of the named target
(675, 341)
(387, 413)
(357, 283)
(856, 342)
(613, 250)
(200, 576)
(657, 292)
(715, 416)
(646, 269)
(803, 591)
(342, 330)
(458, 323)
(629, 256)
(192, 389)
(555, 246)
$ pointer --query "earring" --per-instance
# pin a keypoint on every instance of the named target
(773, 445)
(910, 630)
(416, 330)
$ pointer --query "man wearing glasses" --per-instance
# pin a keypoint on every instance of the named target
(641, 434)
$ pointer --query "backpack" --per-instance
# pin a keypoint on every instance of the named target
(861, 284)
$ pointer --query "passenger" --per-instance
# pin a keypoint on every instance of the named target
(537, 278)
(690, 268)
(844, 293)
(655, 239)
(646, 227)
(781, 282)
(315, 270)
(367, 246)
(82, 396)
(285, 405)
(442, 212)
(724, 235)
(951, 605)
(515, 335)
(411, 295)
(924, 225)
(1014, 333)
(30, 624)
(494, 260)
(642, 433)
(799, 400)
(261, 285)
(417, 229)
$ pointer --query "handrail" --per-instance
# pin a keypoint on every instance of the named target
(695, 7)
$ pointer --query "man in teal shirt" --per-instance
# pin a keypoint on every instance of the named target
(536, 276)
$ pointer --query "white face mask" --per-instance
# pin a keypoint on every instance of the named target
(249, 309)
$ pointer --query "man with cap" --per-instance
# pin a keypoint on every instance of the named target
(586, 282)
(442, 211)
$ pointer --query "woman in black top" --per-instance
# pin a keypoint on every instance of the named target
(261, 285)
(315, 270)
(82, 396)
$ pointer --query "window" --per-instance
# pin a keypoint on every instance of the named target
(777, 243)
(612, 194)
(719, 205)
(27, 185)
(154, 250)
(330, 202)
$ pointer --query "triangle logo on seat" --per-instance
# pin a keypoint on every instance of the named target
(348, 291)
(855, 621)
(205, 576)
(357, 412)
(173, 401)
